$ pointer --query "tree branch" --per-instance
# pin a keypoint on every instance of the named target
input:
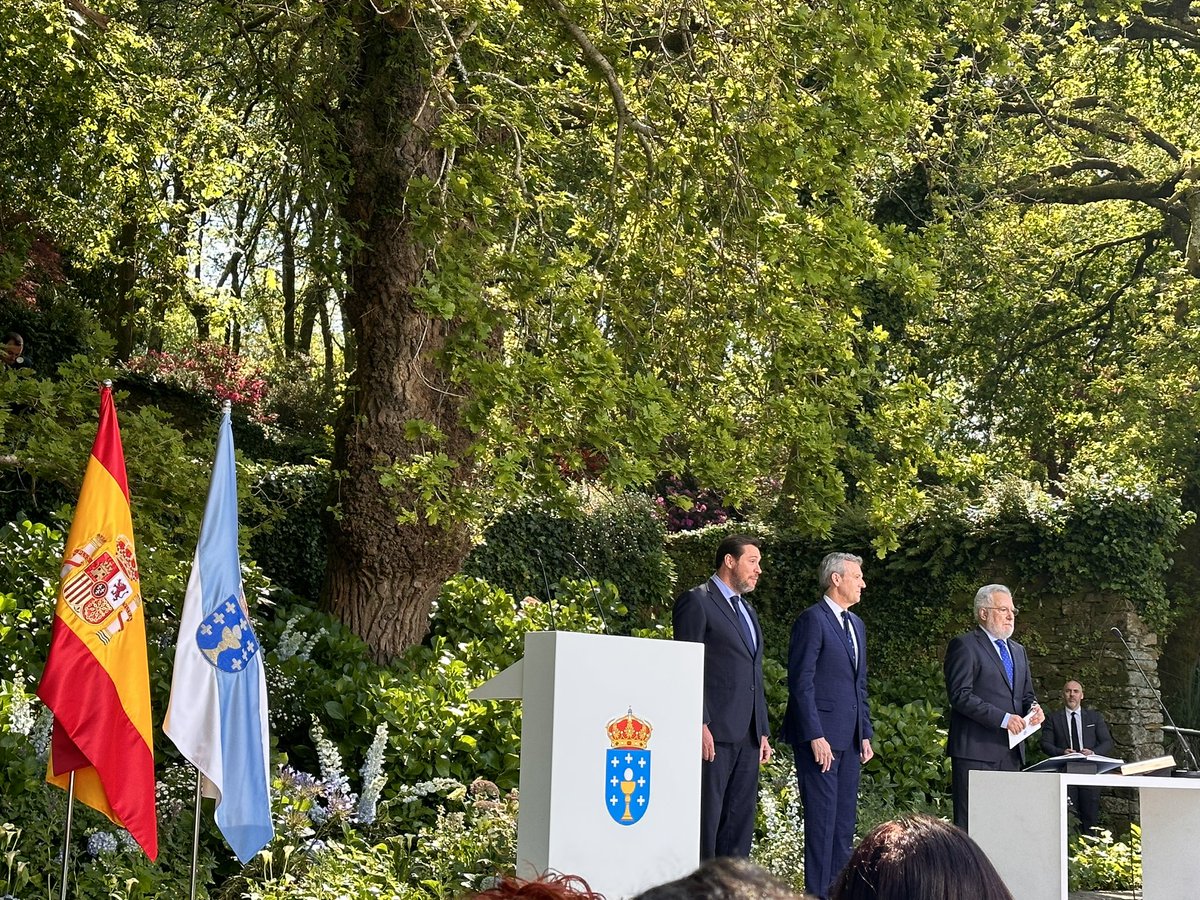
(597, 59)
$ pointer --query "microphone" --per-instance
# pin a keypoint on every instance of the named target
(595, 589)
(1195, 772)
(549, 592)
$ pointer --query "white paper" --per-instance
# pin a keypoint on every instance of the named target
(1014, 739)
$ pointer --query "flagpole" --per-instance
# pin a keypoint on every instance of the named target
(196, 834)
(66, 852)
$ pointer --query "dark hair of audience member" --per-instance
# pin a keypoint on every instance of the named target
(551, 886)
(727, 878)
(919, 858)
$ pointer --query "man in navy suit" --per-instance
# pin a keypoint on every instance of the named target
(733, 740)
(991, 695)
(828, 723)
(1078, 730)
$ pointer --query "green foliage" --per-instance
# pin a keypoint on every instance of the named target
(289, 539)
(619, 540)
(910, 771)
(1101, 863)
(779, 833)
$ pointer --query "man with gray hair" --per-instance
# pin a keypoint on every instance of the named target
(991, 695)
(827, 722)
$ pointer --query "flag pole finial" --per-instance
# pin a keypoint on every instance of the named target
(108, 383)
(226, 406)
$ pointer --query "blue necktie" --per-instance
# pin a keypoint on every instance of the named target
(849, 639)
(741, 620)
(1006, 658)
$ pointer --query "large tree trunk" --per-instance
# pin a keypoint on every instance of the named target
(383, 576)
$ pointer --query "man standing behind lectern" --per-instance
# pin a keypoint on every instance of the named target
(991, 695)
(733, 740)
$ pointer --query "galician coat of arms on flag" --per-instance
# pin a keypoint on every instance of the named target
(217, 715)
(627, 769)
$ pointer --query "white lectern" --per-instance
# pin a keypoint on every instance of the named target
(1020, 821)
(610, 757)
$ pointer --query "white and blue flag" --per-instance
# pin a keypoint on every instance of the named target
(217, 716)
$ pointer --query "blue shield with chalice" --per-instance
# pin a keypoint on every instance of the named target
(627, 769)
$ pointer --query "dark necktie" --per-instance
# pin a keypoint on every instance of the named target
(1006, 658)
(849, 639)
(747, 634)
(1075, 744)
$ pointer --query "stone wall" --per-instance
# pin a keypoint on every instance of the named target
(1069, 638)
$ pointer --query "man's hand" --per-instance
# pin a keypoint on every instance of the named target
(1036, 716)
(867, 753)
(1086, 752)
(708, 748)
(764, 751)
(1015, 724)
(822, 754)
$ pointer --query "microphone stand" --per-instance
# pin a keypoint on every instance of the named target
(1179, 773)
(595, 589)
(549, 592)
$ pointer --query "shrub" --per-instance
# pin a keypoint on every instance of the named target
(619, 541)
(1097, 862)
(286, 522)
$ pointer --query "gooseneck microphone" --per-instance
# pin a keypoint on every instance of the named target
(549, 591)
(595, 588)
(1195, 771)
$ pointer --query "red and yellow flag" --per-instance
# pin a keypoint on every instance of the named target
(96, 681)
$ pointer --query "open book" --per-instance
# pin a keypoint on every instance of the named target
(1077, 761)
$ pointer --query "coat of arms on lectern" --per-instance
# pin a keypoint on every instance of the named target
(627, 769)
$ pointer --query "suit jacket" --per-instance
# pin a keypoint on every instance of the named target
(980, 696)
(733, 686)
(827, 694)
(1056, 733)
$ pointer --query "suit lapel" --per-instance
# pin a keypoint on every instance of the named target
(839, 632)
(731, 615)
(989, 650)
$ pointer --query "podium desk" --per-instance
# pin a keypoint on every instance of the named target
(610, 757)
(1020, 821)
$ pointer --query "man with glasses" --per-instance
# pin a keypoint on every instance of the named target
(991, 695)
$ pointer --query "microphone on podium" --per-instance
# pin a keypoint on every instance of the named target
(595, 589)
(1195, 767)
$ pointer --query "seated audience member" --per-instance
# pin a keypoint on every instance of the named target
(919, 858)
(724, 878)
(550, 886)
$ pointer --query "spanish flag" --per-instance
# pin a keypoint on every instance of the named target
(96, 681)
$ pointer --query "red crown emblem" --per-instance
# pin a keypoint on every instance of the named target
(629, 732)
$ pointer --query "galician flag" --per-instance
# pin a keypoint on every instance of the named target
(96, 681)
(217, 716)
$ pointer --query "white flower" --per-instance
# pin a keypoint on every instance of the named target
(373, 778)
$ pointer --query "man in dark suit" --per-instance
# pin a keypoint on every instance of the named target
(734, 738)
(827, 721)
(991, 695)
(1078, 730)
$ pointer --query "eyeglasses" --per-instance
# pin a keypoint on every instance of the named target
(1002, 609)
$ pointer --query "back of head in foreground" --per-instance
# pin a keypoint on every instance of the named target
(550, 886)
(726, 878)
(919, 858)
